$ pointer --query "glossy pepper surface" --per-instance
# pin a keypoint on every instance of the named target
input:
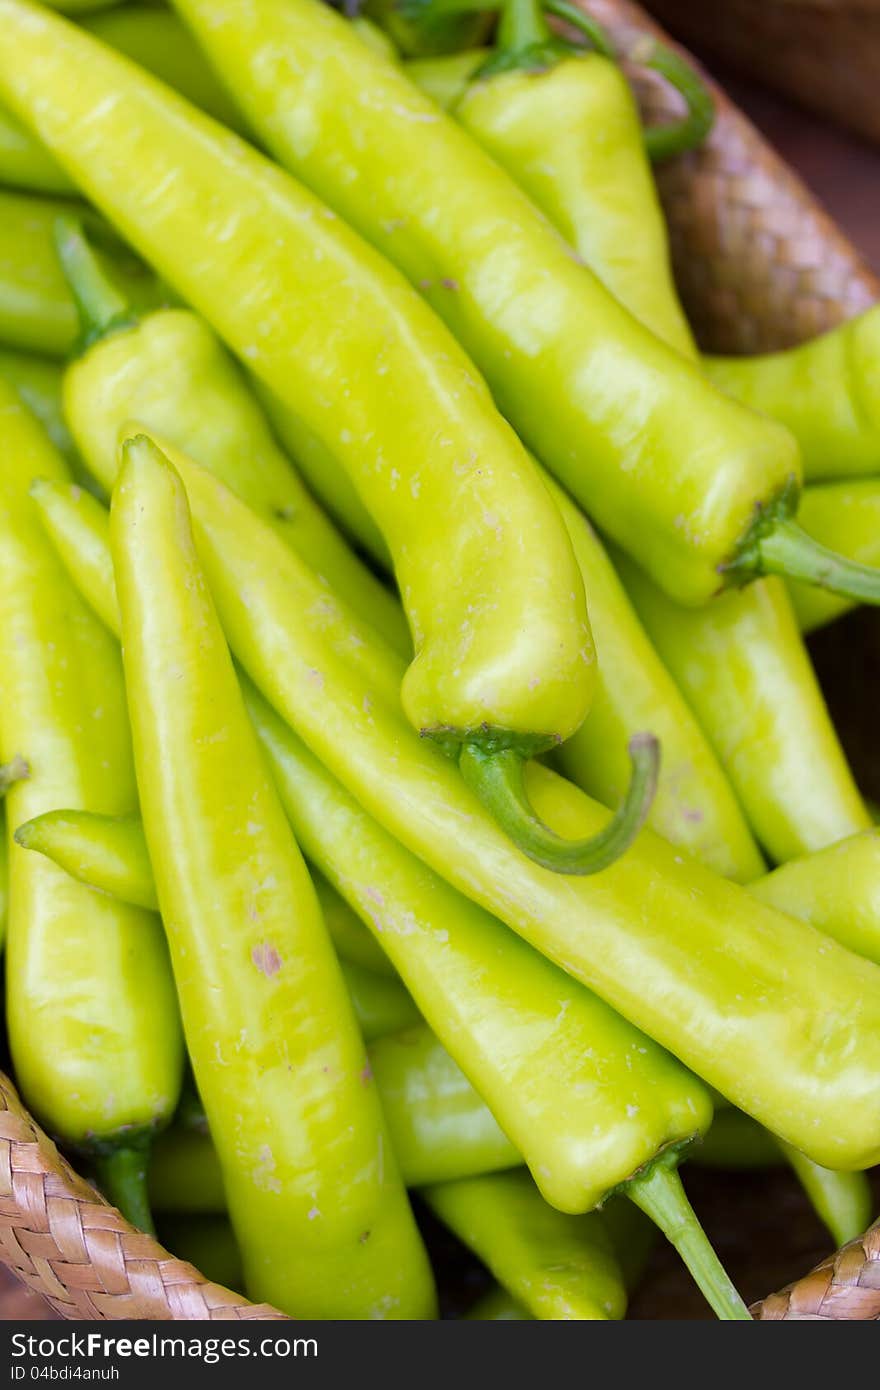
(715, 941)
(556, 1266)
(836, 889)
(509, 1021)
(316, 1202)
(91, 1009)
(745, 672)
(478, 546)
(701, 489)
(825, 391)
(169, 372)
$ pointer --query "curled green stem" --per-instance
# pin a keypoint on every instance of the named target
(657, 1190)
(122, 1177)
(588, 27)
(498, 779)
(101, 306)
(675, 137)
(786, 549)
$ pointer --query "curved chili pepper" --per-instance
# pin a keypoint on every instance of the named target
(498, 1306)
(590, 173)
(314, 1195)
(824, 390)
(91, 1008)
(38, 381)
(713, 947)
(441, 943)
(703, 491)
(556, 1266)
(743, 668)
(416, 427)
(168, 371)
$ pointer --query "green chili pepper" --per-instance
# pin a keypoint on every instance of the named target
(846, 516)
(589, 173)
(556, 1266)
(314, 1195)
(37, 311)
(722, 936)
(91, 1009)
(836, 890)
(159, 42)
(440, 1128)
(445, 79)
(169, 372)
(380, 1005)
(743, 668)
(478, 545)
(351, 938)
(564, 1073)
(38, 381)
(700, 489)
(824, 390)
(208, 1243)
(843, 1201)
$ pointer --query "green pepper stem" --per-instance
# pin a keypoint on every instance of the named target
(675, 137)
(16, 770)
(101, 306)
(657, 1190)
(585, 24)
(498, 779)
(789, 551)
(842, 1201)
(522, 26)
(122, 1177)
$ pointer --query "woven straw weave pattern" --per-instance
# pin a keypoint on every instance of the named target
(758, 263)
(64, 1241)
(845, 1287)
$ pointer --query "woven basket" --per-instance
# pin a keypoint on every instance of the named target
(759, 265)
(823, 53)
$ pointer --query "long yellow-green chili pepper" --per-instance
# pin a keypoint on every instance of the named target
(702, 964)
(743, 668)
(762, 709)
(590, 1102)
(825, 391)
(380, 1005)
(479, 548)
(159, 42)
(700, 489)
(38, 381)
(314, 1194)
(168, 371)
(91, 1009)
(432, 1110)
(556, 1266)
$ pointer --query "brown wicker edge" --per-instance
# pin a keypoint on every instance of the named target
(758, 262)
(60, 1237)
(845, 1287)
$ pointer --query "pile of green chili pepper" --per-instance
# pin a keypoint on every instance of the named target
(418, 793)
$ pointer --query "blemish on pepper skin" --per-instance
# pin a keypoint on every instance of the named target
(266, 959)
(284, 513)
(316, 678)
(449, 284)
(364, 1237)
(425, 284)
(313, 1213)
(692, 813)
(366, 1075)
